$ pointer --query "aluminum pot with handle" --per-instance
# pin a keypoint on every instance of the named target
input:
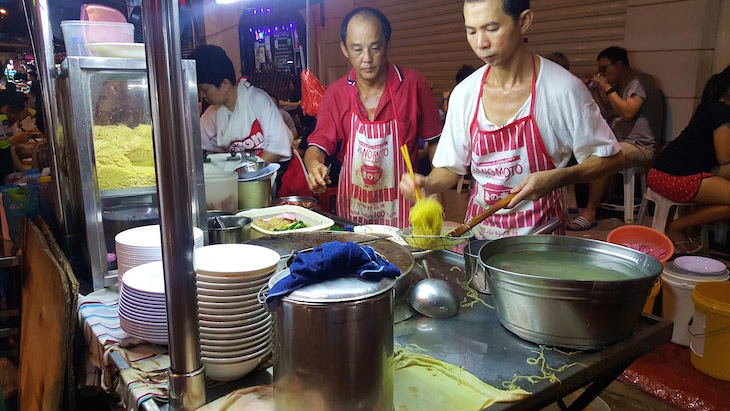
(573, 313)
(333, 346)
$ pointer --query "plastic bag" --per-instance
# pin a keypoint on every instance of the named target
(19, 202)
(312, 91)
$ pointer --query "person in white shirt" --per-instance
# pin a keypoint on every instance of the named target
(243, 118)
(516, 122)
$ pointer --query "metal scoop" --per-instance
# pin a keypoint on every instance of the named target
(433, 297)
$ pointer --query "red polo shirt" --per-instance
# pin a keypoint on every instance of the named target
(414, 105)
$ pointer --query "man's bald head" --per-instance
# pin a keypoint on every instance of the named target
(366, 13)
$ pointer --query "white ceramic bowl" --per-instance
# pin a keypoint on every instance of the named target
(246, 325)
(260, 344)
(235, 260)
(232, 360)
(234, 371)
(230, 324)
(237, 343)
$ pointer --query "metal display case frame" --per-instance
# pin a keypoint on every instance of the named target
(75, 95)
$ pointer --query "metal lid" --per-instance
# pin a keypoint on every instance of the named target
(340, 290)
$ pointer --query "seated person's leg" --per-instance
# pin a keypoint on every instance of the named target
(636, 156)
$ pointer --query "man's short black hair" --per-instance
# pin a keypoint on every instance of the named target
(614, 54)
(464, 72)
(15, 100)
(512, 7)
(213, 66)
(384, 22)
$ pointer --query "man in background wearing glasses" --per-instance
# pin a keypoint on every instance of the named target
(635, 111)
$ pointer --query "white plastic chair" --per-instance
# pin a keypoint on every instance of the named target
(662, 207)
(629, 208)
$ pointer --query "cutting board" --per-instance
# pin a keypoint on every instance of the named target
(73, 285)
(45, 317)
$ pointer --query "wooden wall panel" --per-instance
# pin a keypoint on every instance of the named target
(429, 36)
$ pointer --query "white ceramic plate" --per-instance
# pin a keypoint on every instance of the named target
(237, 260)
(255, 344)
(262, 174)
(245, 325)
(231, 324)
(146, 279)
(381, 230)
(117, 50)
(229, 307)
(235, 281)
(233, 298)
(231, 289)
(152, 317)
(232, 333)
(242, 314)
(146, 236)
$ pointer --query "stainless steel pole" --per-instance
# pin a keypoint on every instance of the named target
(41, 36)
(172, 155)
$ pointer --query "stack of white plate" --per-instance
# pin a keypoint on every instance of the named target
(142, 303)
(235, 329)
(142, 245)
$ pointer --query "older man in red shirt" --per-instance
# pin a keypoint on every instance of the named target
(364, 119)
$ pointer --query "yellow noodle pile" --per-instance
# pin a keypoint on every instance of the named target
(124, 157)
(426, 219)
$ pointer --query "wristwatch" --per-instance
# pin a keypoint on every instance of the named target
(611, 90)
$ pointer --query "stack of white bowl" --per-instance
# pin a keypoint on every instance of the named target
(235, 328)
(142, 245)
(142, 311)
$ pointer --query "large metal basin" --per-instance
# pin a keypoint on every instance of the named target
(579, 314)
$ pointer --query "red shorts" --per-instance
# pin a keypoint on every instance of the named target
(680, 189)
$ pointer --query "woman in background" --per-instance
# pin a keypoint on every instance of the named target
(683, 172)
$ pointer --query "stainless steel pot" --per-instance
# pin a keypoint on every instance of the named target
(580, 314)
(229, 229)
(254, 194)
(333, 343)
(476, 272)
(122, 217)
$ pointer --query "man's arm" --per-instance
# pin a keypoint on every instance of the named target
(627, 109)
(271, 157)
(439, 180)
(316, 170)
(537, 185)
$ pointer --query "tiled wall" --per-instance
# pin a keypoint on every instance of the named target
(675, 42)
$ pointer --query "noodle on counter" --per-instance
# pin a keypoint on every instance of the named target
(124, 157)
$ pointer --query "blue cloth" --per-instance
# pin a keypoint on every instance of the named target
(330, 261)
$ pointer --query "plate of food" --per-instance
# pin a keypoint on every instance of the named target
(286, 219)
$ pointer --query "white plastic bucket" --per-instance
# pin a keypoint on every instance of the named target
(677, 305)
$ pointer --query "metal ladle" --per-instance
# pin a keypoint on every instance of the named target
(433, 297)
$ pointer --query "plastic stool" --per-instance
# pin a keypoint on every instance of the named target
(661, 210)
(325, 200)
(629, 180)
(719, 229)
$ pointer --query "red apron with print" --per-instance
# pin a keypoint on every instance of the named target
(368, 189)
(500, 160)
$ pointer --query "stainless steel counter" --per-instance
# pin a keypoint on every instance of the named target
(475, 340)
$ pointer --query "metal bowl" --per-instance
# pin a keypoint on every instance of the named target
(309, 203)
(579, 314)
(229, 229)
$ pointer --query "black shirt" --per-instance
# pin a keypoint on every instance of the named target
(694, 150)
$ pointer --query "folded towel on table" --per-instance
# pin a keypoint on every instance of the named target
(333, 260)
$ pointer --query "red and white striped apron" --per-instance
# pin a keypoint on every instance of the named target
(368, 189)
(500, 160)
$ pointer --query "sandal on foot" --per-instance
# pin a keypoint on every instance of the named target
(580, 224)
